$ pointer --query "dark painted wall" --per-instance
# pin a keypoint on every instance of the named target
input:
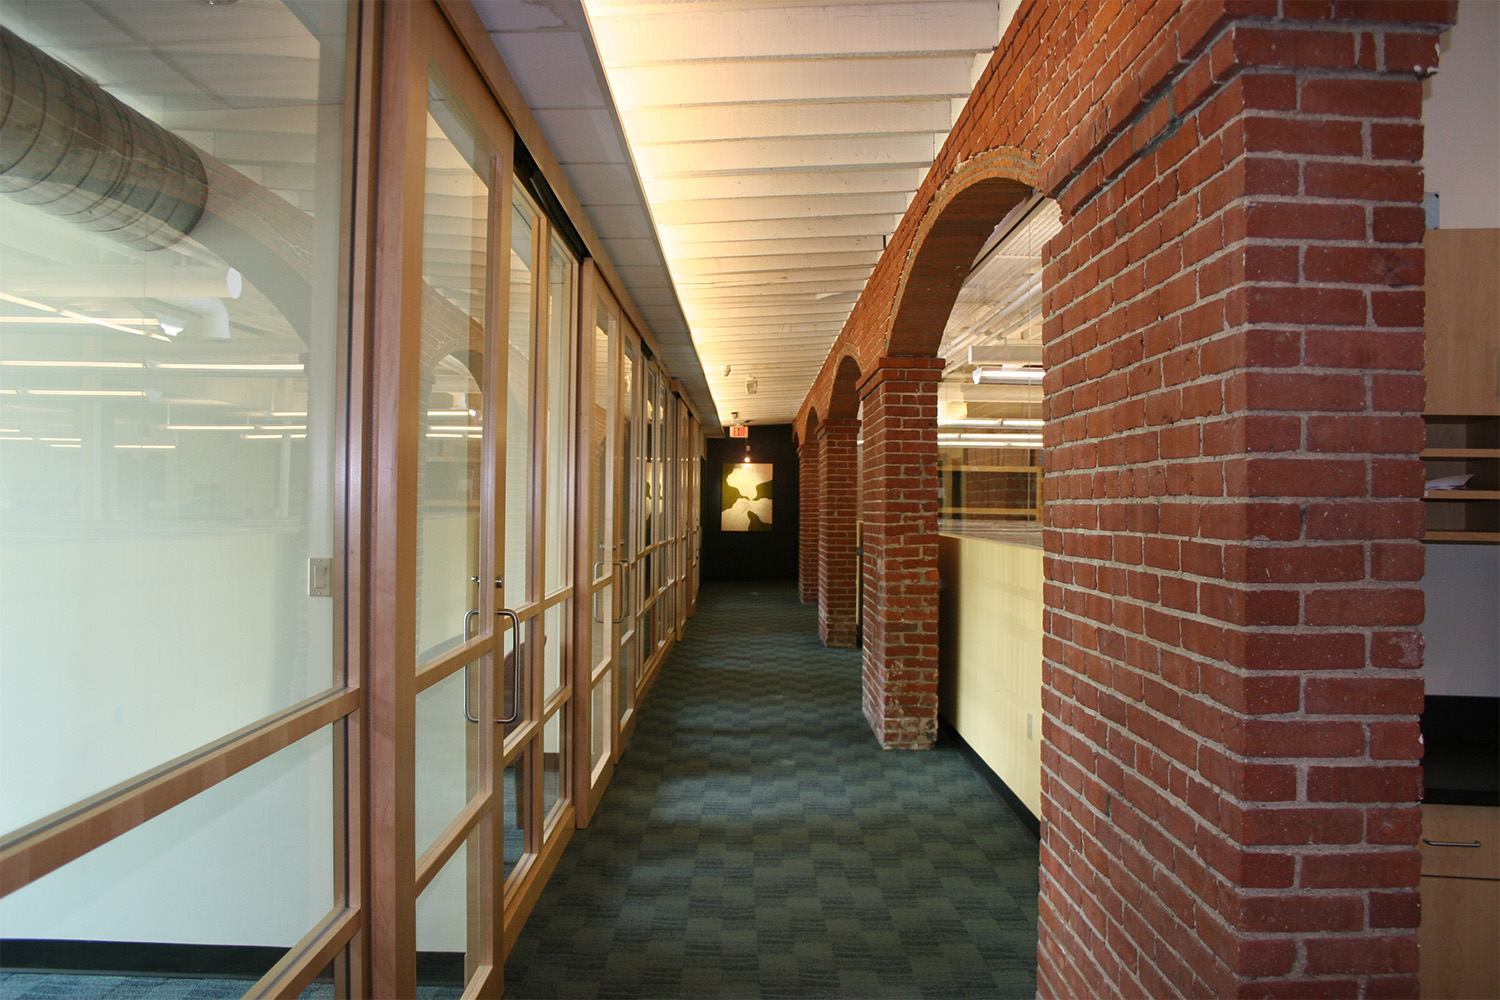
(752, 555)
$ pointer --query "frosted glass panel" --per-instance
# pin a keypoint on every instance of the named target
(446, 909)
(167, 389)
(561, 378)
(447, 754)
(518, 404)
(555, 652)
(248, 862)
(455, 259)
(554, 760)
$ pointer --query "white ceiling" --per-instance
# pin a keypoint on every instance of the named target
(777, 143)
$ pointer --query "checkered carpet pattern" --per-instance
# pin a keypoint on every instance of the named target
(756, 842)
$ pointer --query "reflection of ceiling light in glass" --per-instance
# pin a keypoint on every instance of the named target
(1021, 422)
(28, 303)
(66, 317)
(73, 364)
(1002, 376)
(283, 427)
(970, 422)
(65, 446)
(60, 439)
(146, 447)
(210, 427)
(249, 366)
(86, 392)
(449, 413)
(8, 437)
(288, 413)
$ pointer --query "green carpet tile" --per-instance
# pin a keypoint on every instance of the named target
(756, 842)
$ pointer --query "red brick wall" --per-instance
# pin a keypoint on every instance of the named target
(837, 566)
(809, 486)
(1233, 346)
(900, 552)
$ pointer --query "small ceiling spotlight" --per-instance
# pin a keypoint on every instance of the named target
(726, 370)
(751, 386)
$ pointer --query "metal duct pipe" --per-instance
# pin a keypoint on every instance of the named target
(76, 152)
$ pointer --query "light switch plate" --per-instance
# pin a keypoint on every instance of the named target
(319, 577)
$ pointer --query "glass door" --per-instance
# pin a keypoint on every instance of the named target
(440, 632)
(628, 508)
(599, 550)
(536, 585)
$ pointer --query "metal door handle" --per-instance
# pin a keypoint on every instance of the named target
(515, 666)
(621, 591)
(468, 624)
(1448, 843)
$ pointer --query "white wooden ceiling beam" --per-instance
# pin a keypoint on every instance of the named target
(631, 33)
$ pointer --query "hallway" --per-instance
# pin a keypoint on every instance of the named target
(756, 842)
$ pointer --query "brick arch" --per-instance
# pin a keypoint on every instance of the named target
(974, 198)
(843, 395)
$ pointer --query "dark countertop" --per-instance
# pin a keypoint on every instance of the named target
(1461, 759)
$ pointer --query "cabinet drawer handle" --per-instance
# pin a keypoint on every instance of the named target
(1448, 843)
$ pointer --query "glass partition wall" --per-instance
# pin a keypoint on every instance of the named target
(990, 399)
(345, 515)
(174, 690)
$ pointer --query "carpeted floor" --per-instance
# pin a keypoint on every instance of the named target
(755, 841)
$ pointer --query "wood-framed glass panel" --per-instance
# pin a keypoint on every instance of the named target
(174, 401)
(628, 511)
(598, 563)
(461, 429)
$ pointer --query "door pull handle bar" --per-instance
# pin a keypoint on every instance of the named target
(624, 612)
(1449, 843)
(468, 634)
(515, 666)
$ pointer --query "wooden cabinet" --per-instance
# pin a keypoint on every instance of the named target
(1460, 932)
(1463, 322)
(1463, 383)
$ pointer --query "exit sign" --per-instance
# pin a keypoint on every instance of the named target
(739, 432)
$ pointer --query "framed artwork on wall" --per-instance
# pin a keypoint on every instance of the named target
(746, 497)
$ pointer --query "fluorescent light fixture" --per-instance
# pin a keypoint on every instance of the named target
(970, 422)
(24, 302)
(10, 430)
(460, 412)
(282, 427)
(85, 392)
(210, 427)
(74, 364)
(440, 434)
(65, 446)
(288, 413)
(1002, 376)
(249, 366)
(8, 437)
(60, 439)
(1021, 422)
(145, 447)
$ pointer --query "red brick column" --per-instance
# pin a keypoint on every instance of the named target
(838, 567)
(809, 490)
(1233, 524)
(900, 551)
